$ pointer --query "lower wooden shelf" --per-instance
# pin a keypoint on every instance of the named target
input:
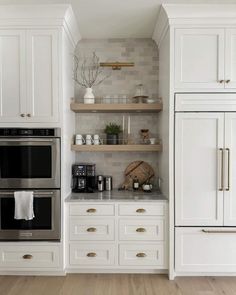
(118, 148)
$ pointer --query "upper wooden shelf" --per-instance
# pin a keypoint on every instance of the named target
(116, 108)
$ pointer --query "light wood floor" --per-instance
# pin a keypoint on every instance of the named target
(116, 284)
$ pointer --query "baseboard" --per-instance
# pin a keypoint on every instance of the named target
(118, 271)
(32, 273)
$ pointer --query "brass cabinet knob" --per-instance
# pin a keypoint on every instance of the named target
(140, 230)
(141, 255)
(22, 115)
(91, 210)
(28, 115)
(91, 229)
(221, 81)
(91, 254)
(27, 256)
(141, 210)
(227, 81)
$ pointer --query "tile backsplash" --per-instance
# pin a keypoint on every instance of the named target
(144, 53)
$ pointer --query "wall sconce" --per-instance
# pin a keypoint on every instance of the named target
(116, 65)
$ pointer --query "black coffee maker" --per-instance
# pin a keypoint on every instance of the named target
(83, 178)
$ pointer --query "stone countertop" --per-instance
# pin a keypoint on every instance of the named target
(116, 196)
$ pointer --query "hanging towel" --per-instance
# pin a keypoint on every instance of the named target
(24, 205)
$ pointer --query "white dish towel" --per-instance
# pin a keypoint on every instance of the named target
(24, 205)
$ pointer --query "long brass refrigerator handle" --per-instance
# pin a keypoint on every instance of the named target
(220, 170)
(228, 169)
(208, 231)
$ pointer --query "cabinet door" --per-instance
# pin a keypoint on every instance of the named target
(12, 76)
(199, 58)
(230, 170)
(230, 58)
(42, 73)
(198, 167)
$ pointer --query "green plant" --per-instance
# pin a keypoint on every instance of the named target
(112, 128)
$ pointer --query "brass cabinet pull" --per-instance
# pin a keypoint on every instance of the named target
(91, 229)
(141, 210)
(220, 169)
(227, 81)
(91, 210)
(91, 254)
(221, 81)
(141, 255)
(27, 256)
(141, 230)
(22, 115)
(228, 170)
(206, 231)
(28, 115)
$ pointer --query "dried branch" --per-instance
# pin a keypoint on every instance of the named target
(88, 73)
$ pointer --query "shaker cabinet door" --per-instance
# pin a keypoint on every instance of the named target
(230, 58)
(42, 75)
(230, 170)
(199, 58)
(12, 76)
(199, 139)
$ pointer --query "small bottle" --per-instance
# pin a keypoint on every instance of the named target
(135, 183)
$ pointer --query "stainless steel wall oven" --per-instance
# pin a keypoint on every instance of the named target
(30, 160)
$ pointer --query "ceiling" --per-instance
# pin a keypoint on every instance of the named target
(115, 18)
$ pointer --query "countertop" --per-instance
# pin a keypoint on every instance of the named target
(116, 196)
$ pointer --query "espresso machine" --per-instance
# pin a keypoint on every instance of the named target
(83, 178)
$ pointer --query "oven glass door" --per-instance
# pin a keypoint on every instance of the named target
(29, 163)
(44, 226)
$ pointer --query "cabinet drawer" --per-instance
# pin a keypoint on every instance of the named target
(143, 255)
(29, 256)
(142, 209)
(87, 254)
(199, 251)
(149, 230)
(91, 229)
(91, 210)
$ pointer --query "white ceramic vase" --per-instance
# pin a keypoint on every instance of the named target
(89, 97)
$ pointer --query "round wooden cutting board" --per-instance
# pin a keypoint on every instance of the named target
(141, 169)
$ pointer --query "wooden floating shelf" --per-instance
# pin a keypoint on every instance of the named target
(116, 108)
(118, 148)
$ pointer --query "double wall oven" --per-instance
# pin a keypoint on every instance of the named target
(30, 160)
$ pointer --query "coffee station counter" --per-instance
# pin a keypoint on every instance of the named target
(116, 196)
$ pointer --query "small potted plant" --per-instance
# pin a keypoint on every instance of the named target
(112, 131)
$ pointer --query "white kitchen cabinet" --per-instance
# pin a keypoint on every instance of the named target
(199, 58)
(203, 250)
(29, 76)
(205, 58)
(42, 76)
(230, 170)
(12, 75)
(26, 256)
(205, 174)
(198, 195)
(117, 235)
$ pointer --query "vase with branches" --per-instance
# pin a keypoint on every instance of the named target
(87, 73)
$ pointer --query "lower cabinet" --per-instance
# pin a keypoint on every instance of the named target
(117, 236)
(202, 250)
(28, 257)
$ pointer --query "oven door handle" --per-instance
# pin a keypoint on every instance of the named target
(35, 193)
(29, 139)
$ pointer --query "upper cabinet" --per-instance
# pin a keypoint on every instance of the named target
(199, 58)
(202, 46)
(205, 58)
(42, 75)
(12, 75)
(32, 82)
(29, 87)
